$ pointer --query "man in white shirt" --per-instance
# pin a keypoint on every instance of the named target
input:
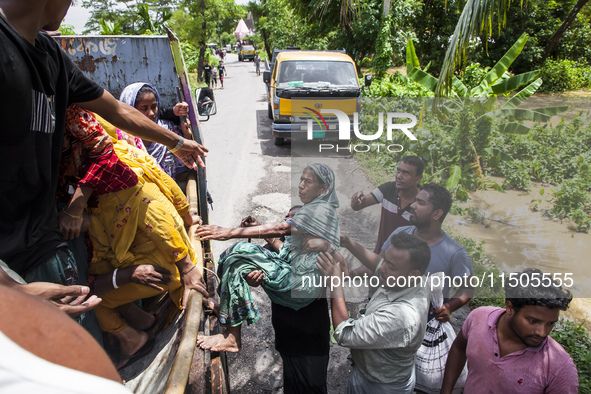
(385, 337)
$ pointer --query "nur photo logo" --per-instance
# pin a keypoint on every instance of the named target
(317, 126)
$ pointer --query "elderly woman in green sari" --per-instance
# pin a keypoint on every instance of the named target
(290, 274)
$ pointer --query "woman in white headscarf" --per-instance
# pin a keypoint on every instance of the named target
(145, 98)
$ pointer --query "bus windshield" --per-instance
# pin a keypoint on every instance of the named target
(323, 74)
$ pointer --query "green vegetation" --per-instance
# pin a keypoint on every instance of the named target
(553, 154)
(66, 30)
(573, 338)
(564, 74)
(374, 33)
(129, 16)
(396, 85)
(463, 139)
(557, 155)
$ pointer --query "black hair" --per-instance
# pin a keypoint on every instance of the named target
(142, 92)
(529, 292)
(420, 253)
(416, 162)
(439, 197)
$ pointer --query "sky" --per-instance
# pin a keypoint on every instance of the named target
(78, 16)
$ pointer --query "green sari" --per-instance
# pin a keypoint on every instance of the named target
(290, 274)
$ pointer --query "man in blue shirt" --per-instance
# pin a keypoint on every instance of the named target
(427, 213)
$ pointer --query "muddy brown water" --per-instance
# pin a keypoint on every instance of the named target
(517, 237)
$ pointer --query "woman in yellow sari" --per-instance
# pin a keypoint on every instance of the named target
(137, 227)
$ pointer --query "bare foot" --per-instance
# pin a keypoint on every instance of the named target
(130, 342)
(219, 343)
(210, 303)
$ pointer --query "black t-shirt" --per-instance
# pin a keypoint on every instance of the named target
(305, 332)
(393, 215)
(37, 84)
(206, 70)
(221, 70)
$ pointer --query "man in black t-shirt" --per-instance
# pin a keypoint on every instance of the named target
(222, 72)
(207, 72)
(38, 82)
(395, 198)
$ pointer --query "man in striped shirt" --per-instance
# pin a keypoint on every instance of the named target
(395, 197)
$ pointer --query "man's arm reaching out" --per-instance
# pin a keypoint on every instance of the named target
(367, 257)
(360, 201)
(69, 299)
(130, 119)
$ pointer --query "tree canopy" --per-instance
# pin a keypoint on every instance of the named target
(373, 32)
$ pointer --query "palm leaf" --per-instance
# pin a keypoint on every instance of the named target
(498, 154)
(455, 174)
(421, 77)
(459, 87)
(519, 114)
(523, 95)
(513, 128)
(476, 17)
(552, 110)
(412, 61)
(514, 83)
(501, 67)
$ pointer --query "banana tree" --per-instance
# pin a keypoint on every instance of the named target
(470, 114)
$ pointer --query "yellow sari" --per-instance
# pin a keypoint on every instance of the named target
(139, 225)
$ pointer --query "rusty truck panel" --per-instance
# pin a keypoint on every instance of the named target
(117, 61)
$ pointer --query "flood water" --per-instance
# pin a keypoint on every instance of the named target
(517, 237)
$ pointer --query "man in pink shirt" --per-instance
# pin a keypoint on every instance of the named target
(509, 350)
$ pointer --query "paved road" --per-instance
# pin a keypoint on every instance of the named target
(247, 174)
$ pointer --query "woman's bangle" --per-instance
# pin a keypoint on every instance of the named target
(259, 227)
(189, 270)
(114, 279)
(272, 241)
(179, 145)
(70, 215)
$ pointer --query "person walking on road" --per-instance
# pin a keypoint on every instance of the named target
(222, 72)
(257, 64)
(207, 72)
(214, 77)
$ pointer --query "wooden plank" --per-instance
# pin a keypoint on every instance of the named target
(181, 367)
